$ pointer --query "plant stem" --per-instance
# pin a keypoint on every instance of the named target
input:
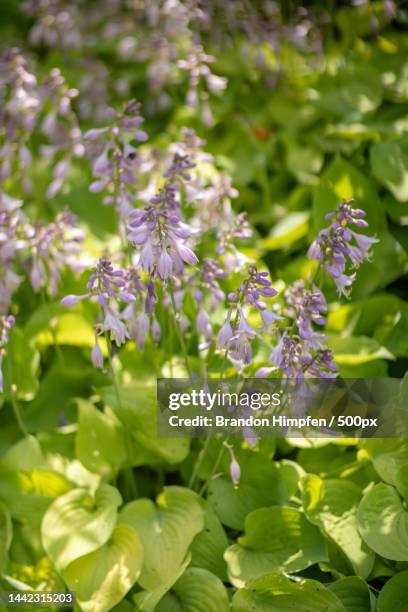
(213, 471)
(179, 332)
(198, 463)
(112, 371)
(46, 303)
(14, 403)
(225, 360)
(128, 472)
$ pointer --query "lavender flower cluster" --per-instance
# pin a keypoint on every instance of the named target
(338, 244)
(161, 211)
(31, 113)
(170, 38)
(181, 270)
(35, 118)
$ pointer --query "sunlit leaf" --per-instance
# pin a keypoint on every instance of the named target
(77, 524)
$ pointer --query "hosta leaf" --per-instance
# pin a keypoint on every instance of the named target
(275, 538)
(28, 494)
(25, 455)
(22, 363)
(137, 412)
(166, 532)
(207, 548)
(353, 592)
(77, 524)
(394, 594)
(100, 442)
(364, 316)
(71, 329)
(260, 485)
(196, 590)
(342, 181)
(402, 481)
(103, 577)
(383, 522)
(389, 164)
(352, 91)
(387, 456)
(6, 533)
(357, 350)
(332, 505)
(42, 576)
(276, 593)
(59, 386)
(304, 162)
(291, 473)
(146, 601)
(291, 228)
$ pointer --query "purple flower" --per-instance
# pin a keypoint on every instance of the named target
(71, 300)
(240, 351)
(235, 228)
(333, 247)
(235, 470)
(114, 326)
(114, 159)
(96, 355)
(158, 230)
(110, 287)
(225, 334)
(52, 248)
(6, 323)
(255, 287)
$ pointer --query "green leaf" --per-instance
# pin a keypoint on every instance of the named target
(304, 162)
(197, 589)
(388, 263)
(207, 548)
(59, 386)
(41, 576)
(22, 364)
(353, 592)
(291, 473)
(25, 455)
(147, 601)
(331, 505)
(402, 480)
(6, 534)
(383, 522)
(260, 485)
(287, 231)
(387, 456)
(364, 316)
(71, 329)
(138, 413)
(357, 350)
(275, 538)
(389, 164)
(166, 532)
(351, 92)
(357, 20)
(276, 593)
(100, 441)
(342, 181)
(28, 494)
(77, 524)
(394, 594)
(102, 578)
